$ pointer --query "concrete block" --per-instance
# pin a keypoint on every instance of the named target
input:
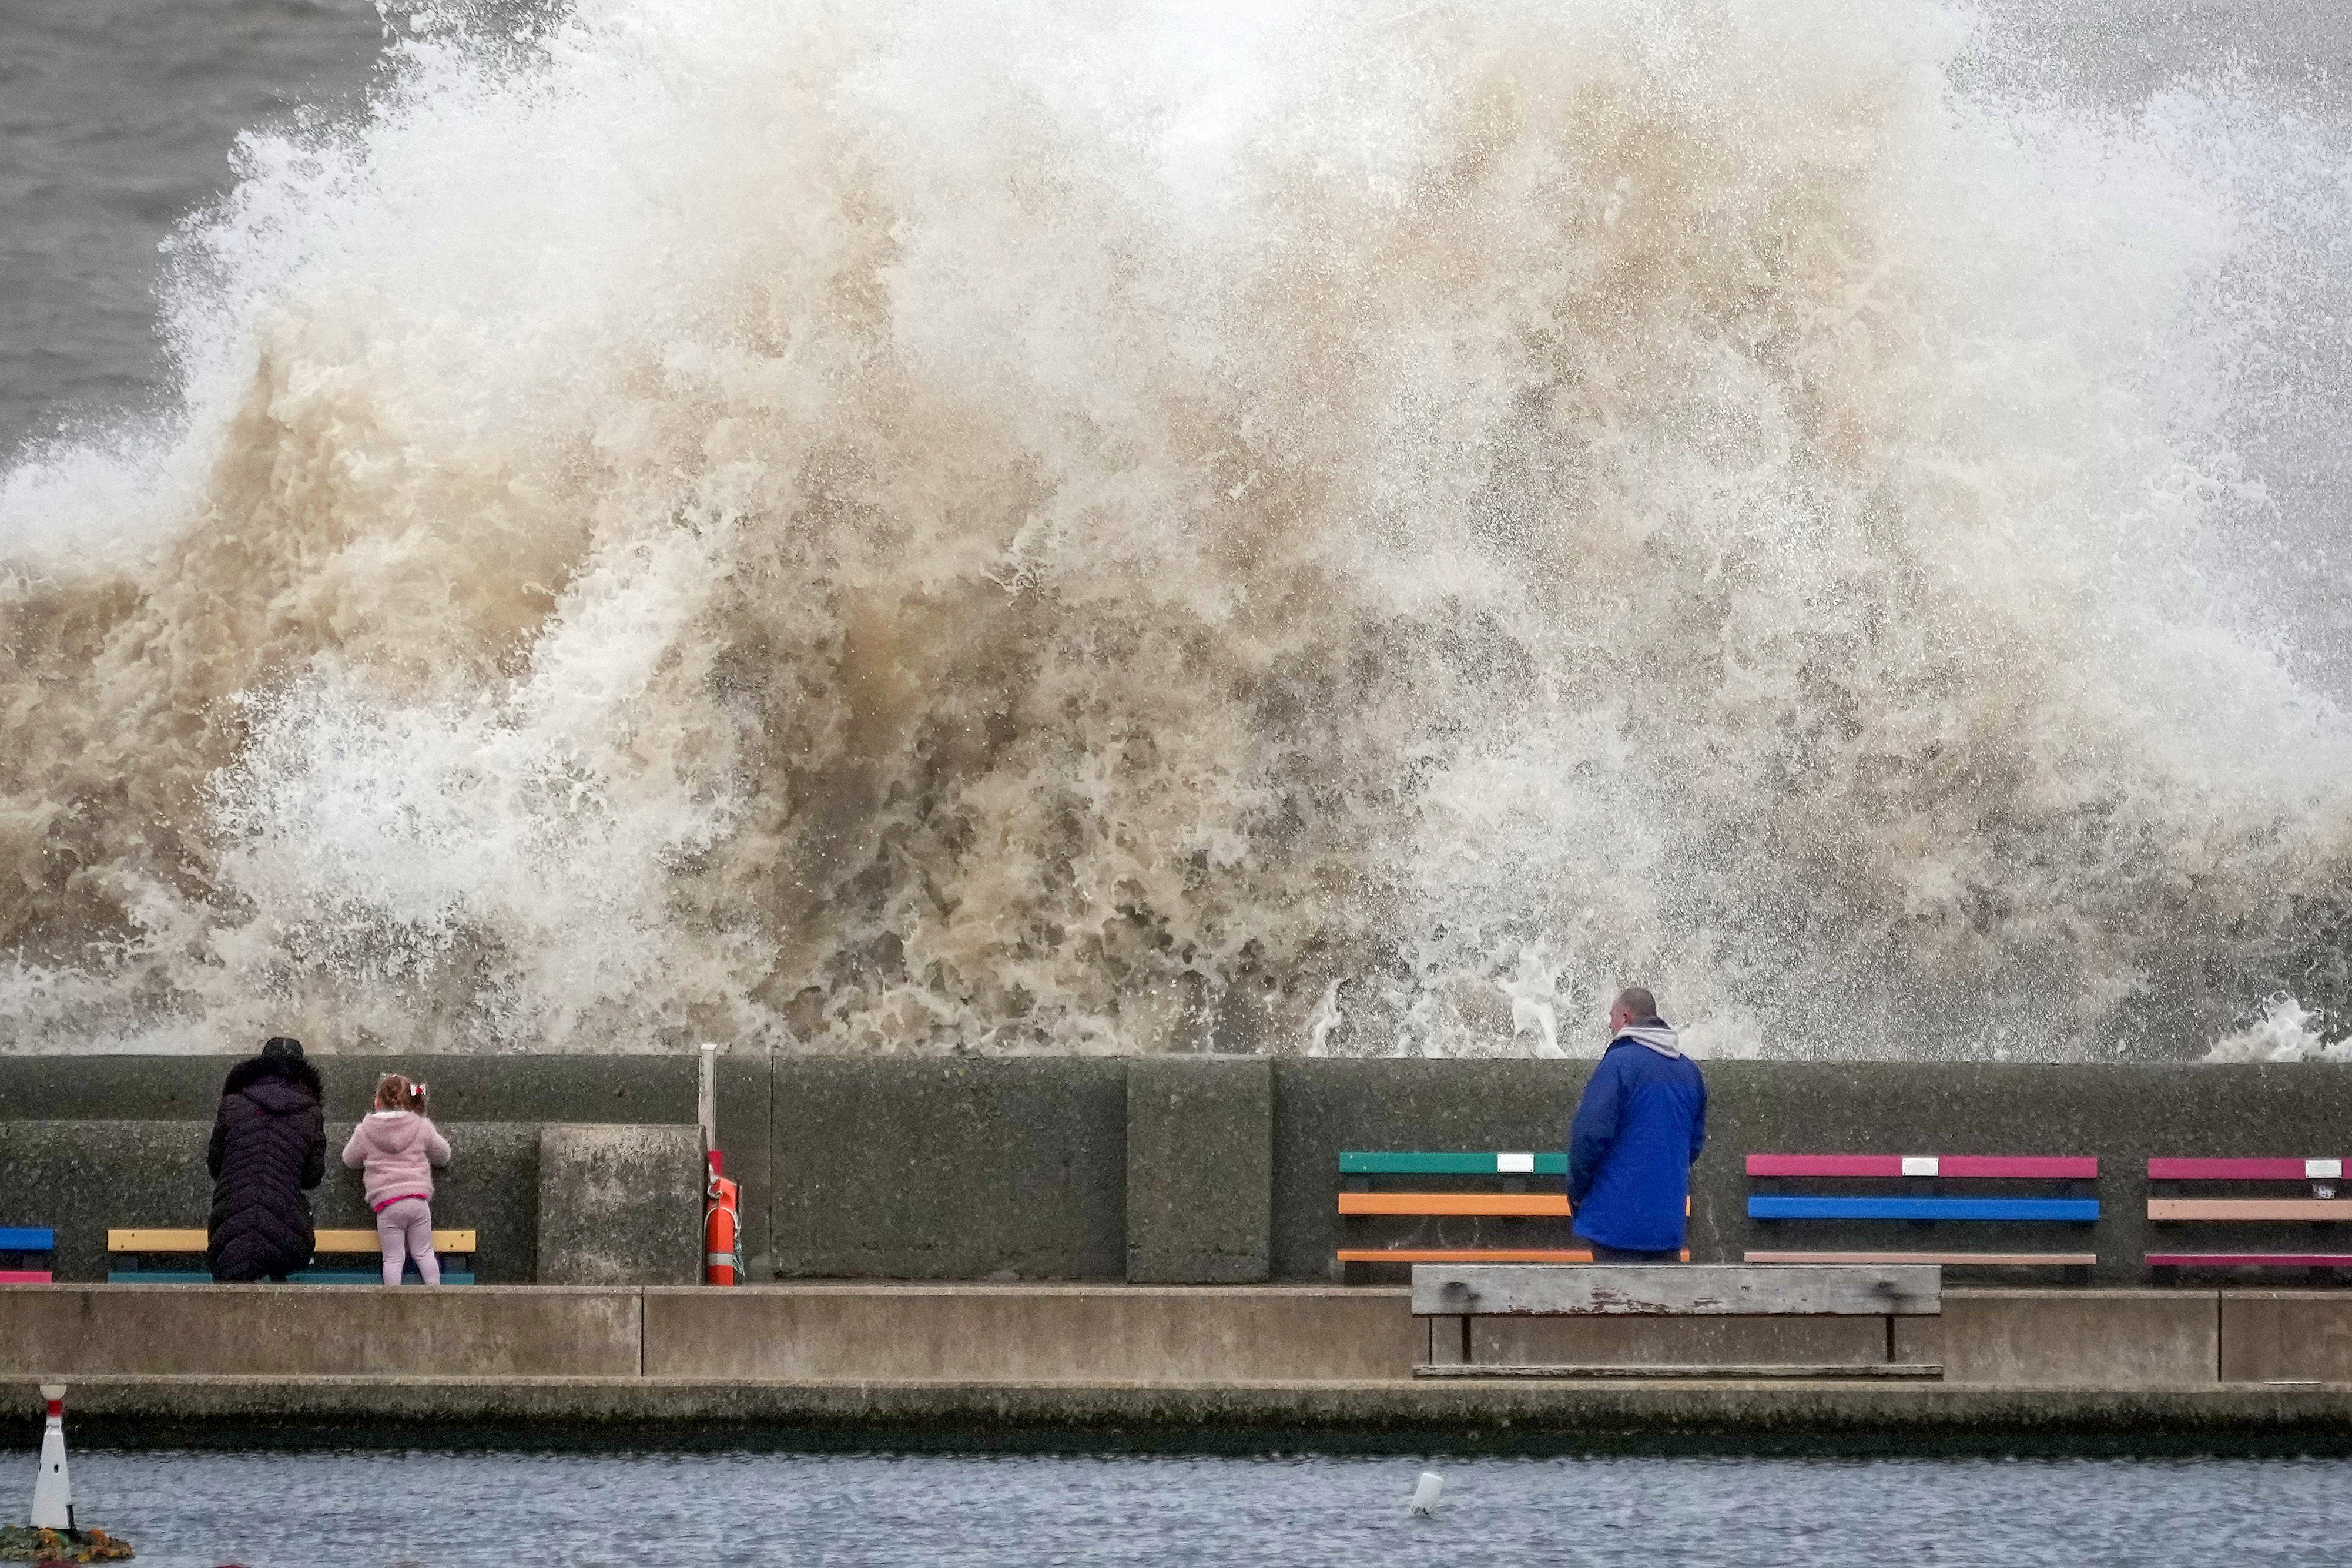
(1678, 1342)
(747, 1137)
(620, 1204)
(1200, 1169)
(2286, 1336)
(1120, 1333)
(69, 1331)
(491, 1186)
(2084, 1338)
(1327, 1105)
(964, 1168)
(82, 1178)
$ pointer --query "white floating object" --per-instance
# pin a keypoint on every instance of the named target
(1507, 1163)
(53, 1489)
(1425, 1496)
(1922, 1165)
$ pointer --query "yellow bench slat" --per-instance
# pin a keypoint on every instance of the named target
(329, 1241)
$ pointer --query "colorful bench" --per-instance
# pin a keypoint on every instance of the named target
(1514, 1203)
(2165, 1207)
(1925, 1208)
(147, 1250)
(26, 1254)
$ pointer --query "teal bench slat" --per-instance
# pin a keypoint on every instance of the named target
(28, 1238)
(2075, 1211)
(1364, 1162)
(299, 1277)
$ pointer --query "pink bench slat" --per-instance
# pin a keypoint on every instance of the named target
(24, 1277)
(2047, 1167)
(2247, 1259)
(2294, 1169)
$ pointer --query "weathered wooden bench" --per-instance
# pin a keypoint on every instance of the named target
(1917, 1204)
(1529, 1239)
(26, 1254)
(160, 1257)
(1648, 1315)
(2167, 1205)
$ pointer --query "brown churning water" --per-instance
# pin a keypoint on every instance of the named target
(1035, 527)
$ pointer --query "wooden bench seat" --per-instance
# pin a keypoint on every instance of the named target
(1477, 1317)
(2068, 1211)
(1488, 1206)
(2308, 1210)
(1929, 1207)
(2320, 1176)
(1944, 1260)
(26, 1251)
(145, 1246)
(1544, 1213)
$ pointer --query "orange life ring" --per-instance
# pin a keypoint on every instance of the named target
(722, 1238)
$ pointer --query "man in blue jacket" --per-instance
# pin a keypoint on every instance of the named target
(1639, 1128)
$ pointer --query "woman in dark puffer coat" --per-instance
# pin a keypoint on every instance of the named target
(269, 1144)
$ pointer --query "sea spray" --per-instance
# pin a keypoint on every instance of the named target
(1023, 526)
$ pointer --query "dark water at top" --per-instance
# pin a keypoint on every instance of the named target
(117, 119)
(393, 1510)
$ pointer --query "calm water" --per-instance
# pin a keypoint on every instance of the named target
(394, 1509)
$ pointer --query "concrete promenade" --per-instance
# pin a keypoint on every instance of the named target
(986, 1362)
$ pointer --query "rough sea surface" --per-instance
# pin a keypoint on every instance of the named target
(1292, 526)
(519, 1511)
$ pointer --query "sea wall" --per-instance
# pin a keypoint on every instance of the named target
(1077, 1333)
(1167, 1170)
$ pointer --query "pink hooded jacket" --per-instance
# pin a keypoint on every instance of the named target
(398, 1149)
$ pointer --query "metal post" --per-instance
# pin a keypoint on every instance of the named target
(706, 1099)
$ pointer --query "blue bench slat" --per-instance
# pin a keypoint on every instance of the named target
(28, 1238)
(1777, 1206)
(1369, 1162)
(300, 1277)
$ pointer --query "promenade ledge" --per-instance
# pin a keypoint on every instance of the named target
(989, 1364)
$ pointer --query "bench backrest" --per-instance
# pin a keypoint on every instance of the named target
(28, 1238)
(2273, 1170)
(2029, 1167)
(1371, 1163)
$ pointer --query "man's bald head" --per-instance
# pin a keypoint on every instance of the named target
(1634, 1004)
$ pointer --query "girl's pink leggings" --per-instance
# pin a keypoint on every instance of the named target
(406, 1231)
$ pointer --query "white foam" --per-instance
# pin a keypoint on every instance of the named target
(1028, 527)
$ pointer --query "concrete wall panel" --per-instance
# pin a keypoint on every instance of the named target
(965, 1169)
(1200, 1169)
(1019, 1332)
(1677, 1341)
(68, 1330)
(1325, 1106)
(2084, 1338)
(2286, 1336)
(620, 1205)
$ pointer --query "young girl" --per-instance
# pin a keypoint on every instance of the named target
(398, 1145)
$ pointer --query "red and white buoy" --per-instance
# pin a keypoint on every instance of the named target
(53, 1489)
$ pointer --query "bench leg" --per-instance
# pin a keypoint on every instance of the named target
(1449, 1341)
